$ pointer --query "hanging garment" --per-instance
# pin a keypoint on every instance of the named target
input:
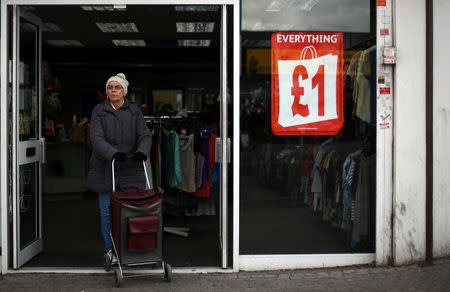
(187, 163)
(205, 151)
(158, 163)
(155, 159)
(177, 166)
(200, 160)
(214, 192)
(211, 144)
(365, 94)
(171, 161)
(368, 195)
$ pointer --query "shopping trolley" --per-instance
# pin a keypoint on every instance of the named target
(136, 229)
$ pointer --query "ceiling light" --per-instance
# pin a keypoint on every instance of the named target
(310, 5)
(120, 6)
(27, 27)
(104, 8)
(291, 5)
(51, 27)
(28, 8)
(117, 26)
(207, 8)
(195, 26)
(129, 43)
(260, 26)
(274, 6)
(65, 43)
(194, 43)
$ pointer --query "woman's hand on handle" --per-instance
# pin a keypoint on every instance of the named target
(139, 156)
(119, 156)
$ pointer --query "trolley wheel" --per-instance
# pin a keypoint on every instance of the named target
(118, 277)
(106, 263)
(167, 272)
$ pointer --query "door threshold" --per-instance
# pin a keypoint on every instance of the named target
(70, 270)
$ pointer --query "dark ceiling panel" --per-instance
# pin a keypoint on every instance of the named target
(156, 24)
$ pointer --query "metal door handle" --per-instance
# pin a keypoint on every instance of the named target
(43, 150)
(218, 157)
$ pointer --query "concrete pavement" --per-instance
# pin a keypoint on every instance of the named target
(435, 277)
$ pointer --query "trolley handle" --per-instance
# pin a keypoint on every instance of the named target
(155, 205)
(114, 180)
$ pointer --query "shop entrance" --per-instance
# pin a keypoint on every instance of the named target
(175, 58)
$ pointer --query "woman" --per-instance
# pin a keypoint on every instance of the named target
(118, 131)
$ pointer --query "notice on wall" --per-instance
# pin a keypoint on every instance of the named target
(307, 83)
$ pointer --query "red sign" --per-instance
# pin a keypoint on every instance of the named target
(384, 31)
(307, 83)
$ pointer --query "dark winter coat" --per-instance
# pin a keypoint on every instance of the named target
(121, 130)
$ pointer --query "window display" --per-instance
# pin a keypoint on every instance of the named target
(309, 194)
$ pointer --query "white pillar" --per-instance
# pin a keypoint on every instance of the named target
(441, 129)
(409, 132)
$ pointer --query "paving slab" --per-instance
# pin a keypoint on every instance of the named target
(435, 277)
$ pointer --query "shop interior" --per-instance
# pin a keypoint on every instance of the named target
(171, 57)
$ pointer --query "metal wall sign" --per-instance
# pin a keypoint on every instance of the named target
(307, 83)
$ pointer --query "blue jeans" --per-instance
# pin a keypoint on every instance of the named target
(104, 202)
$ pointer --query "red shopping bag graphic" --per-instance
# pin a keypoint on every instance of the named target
(307, 83)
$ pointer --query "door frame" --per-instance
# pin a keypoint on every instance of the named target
(4, 114)
(20, 256)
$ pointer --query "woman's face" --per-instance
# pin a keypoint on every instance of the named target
(115, 91)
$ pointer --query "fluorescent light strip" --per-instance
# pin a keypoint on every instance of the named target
(28, 8)
(65, 43)
(310, 5)
(197, 8)
(109, 27)
(264, 26)
(103, 8)
(129, 43)
(28, 27)
(274, 6)
(194, 43)
(51, 27)
(195, 26)
(291, 5)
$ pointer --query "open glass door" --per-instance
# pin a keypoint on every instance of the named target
(26, 137)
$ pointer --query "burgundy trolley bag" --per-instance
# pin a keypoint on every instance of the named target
(136, 224)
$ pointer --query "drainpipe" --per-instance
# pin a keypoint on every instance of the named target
(429, 132)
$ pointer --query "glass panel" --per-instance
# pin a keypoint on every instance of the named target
(28, 81)
(306, 15)
(0, 126)
(309, 194)
(28, 203)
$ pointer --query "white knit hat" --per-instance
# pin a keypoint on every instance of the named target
(120, 77)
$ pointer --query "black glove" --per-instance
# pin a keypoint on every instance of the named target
(119, 156)
(139, 156)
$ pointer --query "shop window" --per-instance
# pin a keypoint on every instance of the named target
(308, 194)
